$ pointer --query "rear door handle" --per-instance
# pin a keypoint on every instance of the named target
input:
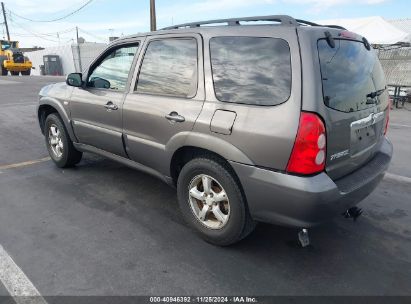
(110, 106)
(174, 116)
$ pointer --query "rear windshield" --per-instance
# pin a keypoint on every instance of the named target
(349, 73)
(251, 70)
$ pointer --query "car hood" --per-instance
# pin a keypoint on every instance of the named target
(56, 90)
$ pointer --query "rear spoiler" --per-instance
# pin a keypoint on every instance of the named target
(348, 35)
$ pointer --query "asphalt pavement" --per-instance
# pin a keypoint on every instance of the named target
(105, 229)
(3, 291)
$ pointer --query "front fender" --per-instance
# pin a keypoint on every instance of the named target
(55, 104)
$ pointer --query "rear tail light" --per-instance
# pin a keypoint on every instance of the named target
(387, 118)
(309, 152)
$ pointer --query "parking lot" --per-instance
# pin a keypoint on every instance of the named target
(105, 229)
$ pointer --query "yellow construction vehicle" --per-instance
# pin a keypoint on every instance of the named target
(12, 59)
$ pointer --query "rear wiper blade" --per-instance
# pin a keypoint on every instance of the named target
(375, 94)
(371, 98)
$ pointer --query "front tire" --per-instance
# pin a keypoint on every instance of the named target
(212, 202)
(59, 144)
(4, 71)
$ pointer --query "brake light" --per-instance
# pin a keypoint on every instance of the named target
(309, 152)
(387, 118)
(347, 34)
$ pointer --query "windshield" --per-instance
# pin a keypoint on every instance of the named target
(350, 75)
(5, 45)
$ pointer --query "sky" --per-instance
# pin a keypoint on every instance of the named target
(103, 18)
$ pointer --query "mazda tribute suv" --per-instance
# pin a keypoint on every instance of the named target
(260, 119)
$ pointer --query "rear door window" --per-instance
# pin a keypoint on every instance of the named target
(349, 73)
(169, 68)
(251, 70)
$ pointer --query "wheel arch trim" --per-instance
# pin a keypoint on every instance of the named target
(206, 142)
(201, 141)
(56, 105)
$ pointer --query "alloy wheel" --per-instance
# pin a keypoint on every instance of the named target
(209, 201)
(55, 141)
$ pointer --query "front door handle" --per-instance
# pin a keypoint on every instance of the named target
(174, 116)
(110, 106)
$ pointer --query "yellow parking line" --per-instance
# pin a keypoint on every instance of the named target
(24, 164)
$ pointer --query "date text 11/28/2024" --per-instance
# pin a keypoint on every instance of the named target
(239, 299)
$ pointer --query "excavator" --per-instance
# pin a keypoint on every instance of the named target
(13, 60)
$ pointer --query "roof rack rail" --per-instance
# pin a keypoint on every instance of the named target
(338, 27)
(316, 24)
(300, 21)
(283, 19)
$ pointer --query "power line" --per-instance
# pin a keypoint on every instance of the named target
(92, 35)
(31, 32)
(51, 34)
(56, 34)
(56, 19)
(40, 35)
(71, 29)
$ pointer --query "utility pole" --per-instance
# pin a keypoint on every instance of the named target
(5, 21)
(78, 53)
(153, 21)
(77, 34)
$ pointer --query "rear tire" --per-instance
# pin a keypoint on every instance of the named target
(220, 215)
(15, 73)
(4, 72)
(26, 73)
(59, 144)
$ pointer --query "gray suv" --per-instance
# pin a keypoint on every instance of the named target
(261, 119)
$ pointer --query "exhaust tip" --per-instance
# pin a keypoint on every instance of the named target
(353, 213)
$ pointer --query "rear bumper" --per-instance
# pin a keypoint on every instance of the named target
(295, 201)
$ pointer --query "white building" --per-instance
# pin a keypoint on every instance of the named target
(69, 56)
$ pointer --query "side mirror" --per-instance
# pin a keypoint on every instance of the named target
(74, 80)
(100, 83)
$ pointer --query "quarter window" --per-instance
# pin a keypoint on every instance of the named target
(112, 72)
(169, 68)
(251, 70)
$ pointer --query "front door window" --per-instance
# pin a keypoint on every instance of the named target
(112, 72)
